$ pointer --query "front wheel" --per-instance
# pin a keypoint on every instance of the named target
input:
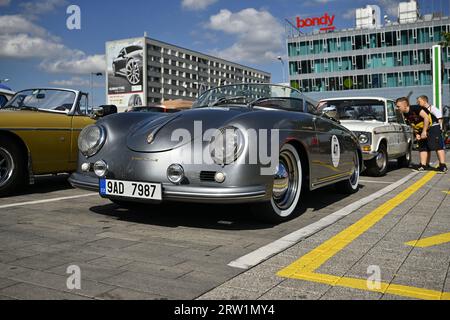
(12, 168)
(378, 166)
(287, 187)
(133, 72)
(351, 185)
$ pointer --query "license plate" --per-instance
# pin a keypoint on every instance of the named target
(129, 189)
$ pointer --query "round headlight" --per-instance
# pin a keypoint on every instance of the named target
(363, 139)
(91, 140)
(227, 145)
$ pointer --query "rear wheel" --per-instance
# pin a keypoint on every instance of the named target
(378, 166)
(287, 187)
(351, 185)
(405, 161)
(12, 167)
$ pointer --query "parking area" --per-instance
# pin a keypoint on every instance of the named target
(184, 251)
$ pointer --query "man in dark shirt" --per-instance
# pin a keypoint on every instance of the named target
(420, 120)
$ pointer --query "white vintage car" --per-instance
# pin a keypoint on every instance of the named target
(381, 129)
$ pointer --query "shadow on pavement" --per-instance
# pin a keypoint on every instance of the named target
(44, 184)
(208, 215)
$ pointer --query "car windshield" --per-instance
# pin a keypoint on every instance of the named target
(43, 99)
(364, 110)
(262, 95)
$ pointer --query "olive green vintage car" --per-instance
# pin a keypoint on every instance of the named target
(39, 130)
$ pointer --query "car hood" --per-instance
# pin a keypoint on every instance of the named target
(361, 126)
(195, 122)
(12, 119)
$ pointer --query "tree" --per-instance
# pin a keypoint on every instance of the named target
(445, 40)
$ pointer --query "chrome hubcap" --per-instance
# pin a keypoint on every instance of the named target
(381, 160)
(354, 179)
(6, 166)
(285, 181)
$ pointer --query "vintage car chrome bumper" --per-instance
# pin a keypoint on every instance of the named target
(367, 156)
(188, 193)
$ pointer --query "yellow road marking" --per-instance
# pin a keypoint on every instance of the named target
(431, 241)
(447, 192)
(305, 267)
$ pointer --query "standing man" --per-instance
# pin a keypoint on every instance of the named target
(420, 120)
(435, 135)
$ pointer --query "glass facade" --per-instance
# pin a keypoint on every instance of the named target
(398, 55)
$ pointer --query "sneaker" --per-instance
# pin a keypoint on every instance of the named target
(421, 168)
(442, 168)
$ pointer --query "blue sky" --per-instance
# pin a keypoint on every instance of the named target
(37, 49)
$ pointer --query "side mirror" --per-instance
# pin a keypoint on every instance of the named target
(330, 113)
(103, 111)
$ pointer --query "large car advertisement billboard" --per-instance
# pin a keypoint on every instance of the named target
(126, 78)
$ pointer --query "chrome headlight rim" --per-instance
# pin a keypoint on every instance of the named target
(93, 150)
(364, 138)
(228, 156)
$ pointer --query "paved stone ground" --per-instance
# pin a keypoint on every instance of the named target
(174, 251)
(425, 214)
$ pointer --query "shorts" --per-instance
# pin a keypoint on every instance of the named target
(435, 141)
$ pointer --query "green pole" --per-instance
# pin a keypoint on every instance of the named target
(437, 76)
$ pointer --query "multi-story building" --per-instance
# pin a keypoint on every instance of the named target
(167, 72)
(391, 60)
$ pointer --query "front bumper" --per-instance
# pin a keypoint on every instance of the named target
(187, 193)
(367, 156)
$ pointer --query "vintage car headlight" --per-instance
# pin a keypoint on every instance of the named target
(227, 145)
(91, 140)
(363, 138)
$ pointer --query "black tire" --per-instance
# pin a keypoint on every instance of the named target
(13, 167)
(285, 200)
(351, 185)
(378, 167)
(405, 161)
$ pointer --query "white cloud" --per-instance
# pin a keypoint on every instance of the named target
(259, 35)
(197, 4)
(4, 3)
(76, 82)
(36, 8)
(26, 46)
(78, 64)
(23, 39)
(349, 14)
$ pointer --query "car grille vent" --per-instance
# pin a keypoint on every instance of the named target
(207, 176)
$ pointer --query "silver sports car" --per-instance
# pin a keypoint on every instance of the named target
(246, 143)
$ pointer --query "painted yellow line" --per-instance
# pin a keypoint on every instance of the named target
(431, 241)
(317, 257)
(446, 192)
(385, 288)
(305, 267)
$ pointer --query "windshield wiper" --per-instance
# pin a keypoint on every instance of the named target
(259, 100)
(225, 100)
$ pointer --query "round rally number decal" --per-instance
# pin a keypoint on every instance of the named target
(335, 151)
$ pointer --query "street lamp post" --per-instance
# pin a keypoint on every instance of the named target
(97, 74)
(283, 68)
